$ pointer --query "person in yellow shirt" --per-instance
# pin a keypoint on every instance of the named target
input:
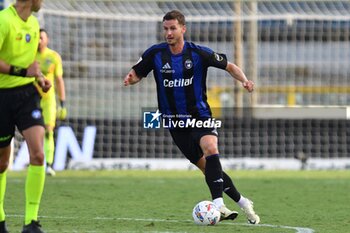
(51, 66)
(20, 104)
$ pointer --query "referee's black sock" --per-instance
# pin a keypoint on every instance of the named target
(229, 188)
(213, 175)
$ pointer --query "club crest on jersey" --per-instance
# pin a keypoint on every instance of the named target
(28, 37)
(188, 64)
(218, 57)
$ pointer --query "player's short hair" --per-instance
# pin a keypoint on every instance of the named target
(175, 14)
(43, 30)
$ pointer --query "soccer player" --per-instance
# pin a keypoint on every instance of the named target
(20, 103)
(51, 66)
(180, 70)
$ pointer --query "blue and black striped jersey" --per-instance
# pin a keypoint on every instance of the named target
(180, 78)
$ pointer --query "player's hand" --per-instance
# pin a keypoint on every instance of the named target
(61, 111)
(131, 78)
(249, 85)
(44, 83)
(34, 70)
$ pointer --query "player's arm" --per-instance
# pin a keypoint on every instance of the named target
(239, 75)
(60, 87)
(4, 68)
(32, 71)
(220, 61)
(61, 92)
(141, 69)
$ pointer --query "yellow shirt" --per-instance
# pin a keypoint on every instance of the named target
(18, 45)
(51, 66)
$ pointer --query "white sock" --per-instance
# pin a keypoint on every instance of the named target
(242, 202)
(218, 202)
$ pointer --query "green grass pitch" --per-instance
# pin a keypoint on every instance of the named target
(162, 201)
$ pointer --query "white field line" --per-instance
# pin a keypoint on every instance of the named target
(297, 229)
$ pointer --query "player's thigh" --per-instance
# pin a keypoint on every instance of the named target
(187, 145)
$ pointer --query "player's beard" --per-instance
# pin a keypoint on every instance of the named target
(174, 41)
(171, 41)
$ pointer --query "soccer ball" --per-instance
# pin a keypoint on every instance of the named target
(205, 213)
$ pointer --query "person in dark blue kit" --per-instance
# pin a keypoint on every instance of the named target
(180, 70)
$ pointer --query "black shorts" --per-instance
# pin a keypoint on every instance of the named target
(19, 106)
(187, 140)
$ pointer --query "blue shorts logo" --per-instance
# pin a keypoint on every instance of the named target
(151, 120)
(36, 114)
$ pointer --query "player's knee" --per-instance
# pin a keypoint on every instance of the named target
(5, 153)
(4, 162)
(37, 158)
(210, 149)
(209, 145)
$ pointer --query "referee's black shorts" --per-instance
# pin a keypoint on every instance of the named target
(188, 139)
(19, 106)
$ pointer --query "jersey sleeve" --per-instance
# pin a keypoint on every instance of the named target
(214, 59)
(144, 65)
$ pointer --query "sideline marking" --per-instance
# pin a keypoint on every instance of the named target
(298, 229)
